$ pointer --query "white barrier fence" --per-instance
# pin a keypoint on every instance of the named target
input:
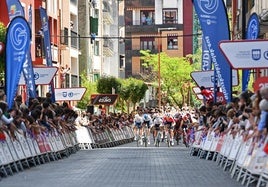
(89, 138)
(26, 151)
(244, 159)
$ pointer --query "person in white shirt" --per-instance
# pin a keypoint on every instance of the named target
(137, 124)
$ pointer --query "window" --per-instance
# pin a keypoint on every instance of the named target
(97, 48)
(147, 43)
(147, 17)
(169, 16)
(172, 41)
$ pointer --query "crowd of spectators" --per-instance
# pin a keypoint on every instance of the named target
(247, 115)
(39, 116)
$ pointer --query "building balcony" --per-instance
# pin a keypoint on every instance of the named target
(108, 47)
(135, 51)
(107, 18)
(139, 3)
(151, 28)
(75, 42)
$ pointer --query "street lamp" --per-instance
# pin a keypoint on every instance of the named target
(159, 62)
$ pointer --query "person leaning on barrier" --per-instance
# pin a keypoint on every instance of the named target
(7, 122)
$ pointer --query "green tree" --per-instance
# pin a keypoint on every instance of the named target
(175, 76)
(105, 85)
(91, 88)
(137, 91)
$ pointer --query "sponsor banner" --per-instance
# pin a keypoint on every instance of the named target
(14, 9)
(69, 94)
(260, 83)
(246, 54)
(47, 44)
(253, 30)
(213, 19)
(103, 99)
(206, 78)
(17, 47)
(42, 75)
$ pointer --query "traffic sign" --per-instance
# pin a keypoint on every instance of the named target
(69, 94)
(246, 54)
(42, 75)
(206, 78)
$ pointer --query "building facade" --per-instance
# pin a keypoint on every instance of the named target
(157, 25)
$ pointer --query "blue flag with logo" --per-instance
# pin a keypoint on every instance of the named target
(14, 9)
(17, 46)
(253, 30)
(47, 44)
(214, 24)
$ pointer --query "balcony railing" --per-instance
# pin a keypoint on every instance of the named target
(139, 3)
(75, 40)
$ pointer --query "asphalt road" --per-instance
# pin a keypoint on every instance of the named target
(125, 166)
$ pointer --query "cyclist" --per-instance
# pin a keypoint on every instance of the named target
(138, 124)
(169, 121)
(157, 123)
(147, 121)
(185, 123)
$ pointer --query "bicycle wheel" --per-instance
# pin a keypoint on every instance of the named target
(168, 140)
(138, 141)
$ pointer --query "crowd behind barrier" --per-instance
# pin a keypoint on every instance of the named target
(43, 131)
(234, 136)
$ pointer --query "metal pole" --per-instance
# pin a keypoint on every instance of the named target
(159, 72)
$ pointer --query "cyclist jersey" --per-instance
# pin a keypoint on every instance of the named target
(137, 118)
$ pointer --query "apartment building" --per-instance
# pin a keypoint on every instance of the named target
(157, 25)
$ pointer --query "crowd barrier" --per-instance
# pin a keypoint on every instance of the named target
(244, 159)
(28, 150)
(89, 138)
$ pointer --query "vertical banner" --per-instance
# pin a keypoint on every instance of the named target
(206, 60)
(17, 46)
(28, 71)
(253, 30)
(214, 24)
(47, 44)
(14, 9)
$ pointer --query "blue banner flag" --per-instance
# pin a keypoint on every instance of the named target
(17, 46)
(206, 60)
(47, 44)
(253, 30)
(28, 71)
(214, 24)
(14, 9)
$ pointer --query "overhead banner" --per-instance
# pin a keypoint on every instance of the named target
(214, 24)
(253, 30)
(17, 46)
(14, 9)
(47, 44)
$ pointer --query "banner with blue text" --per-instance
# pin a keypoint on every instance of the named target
(47, 44)
(214, 24)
